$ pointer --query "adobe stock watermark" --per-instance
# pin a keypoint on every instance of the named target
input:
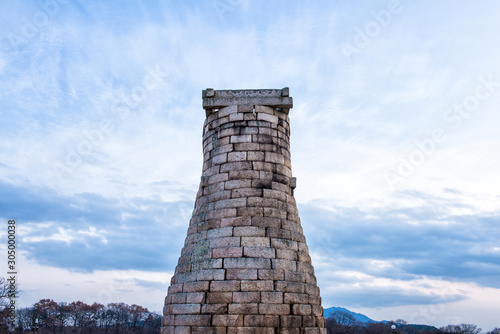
(222, 7)
(106, 295)
(427, 314)
(371, 30)
(453, 118)
(32, 27)
(122, 107)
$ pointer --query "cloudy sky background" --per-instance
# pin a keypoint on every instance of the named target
(100, 144)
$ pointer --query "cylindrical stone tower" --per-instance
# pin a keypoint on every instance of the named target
(245, 266)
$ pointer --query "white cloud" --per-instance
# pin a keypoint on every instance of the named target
(36, 282)
(66, 235)
(479, 308)
(350, 125)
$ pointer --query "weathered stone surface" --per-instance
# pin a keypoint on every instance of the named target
(168, 320)
(279, 243)
(241, 139)
(267, 222)
(288, 330)
(257, 285)
(274, 274)
(252, 308)
(260, 252)
(291, 321)
(196, 286)
(255, 241)
(286, 286)
(236, 221)
(245, 266)
(219, 159)
(296, 298)
(195, 297)
(227, 252)
(185, 308)
(227, 320)
(275, 309)
(193, 320)
(284, 264)
(237, 156)
(219, 297)
(260, 97)
(246, 297)
(248, 263)
(178, 298)
(214, 308)
(255, 156)
(309, 320)
(261, 321)
(220, 232)
(225, 242)
(209, 330)
(245, 192)
(286, 254)
(250, 330)
(233, 285)
(249, 231)
(272, 297)
(241, 274)
(267, 118)
(229, 203)
(302, 309)
(243, 174)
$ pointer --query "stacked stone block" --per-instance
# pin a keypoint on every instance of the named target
(245, 266)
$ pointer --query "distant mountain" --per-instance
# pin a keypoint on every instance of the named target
(409, 328)
(358, 316)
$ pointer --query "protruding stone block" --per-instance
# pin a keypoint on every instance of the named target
(285, 92)
(209, 92)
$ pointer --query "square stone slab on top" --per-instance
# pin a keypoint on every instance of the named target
(278, 98)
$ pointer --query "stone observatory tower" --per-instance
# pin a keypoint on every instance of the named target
(245, 266)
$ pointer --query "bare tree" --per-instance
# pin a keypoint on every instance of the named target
(26, 318)
(49, 314)
(153, 320)
(342, 322)
(81, 318)
(8, 292)
(76, 312)
(137, 315)
(344, 318)
(378, 328)
(96, 314)
(461, 329)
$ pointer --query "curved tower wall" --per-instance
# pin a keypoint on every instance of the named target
(245, 265)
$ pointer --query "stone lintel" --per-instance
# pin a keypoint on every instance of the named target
(278, 98)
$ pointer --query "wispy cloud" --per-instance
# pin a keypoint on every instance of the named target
(127, 202)
(89, 232)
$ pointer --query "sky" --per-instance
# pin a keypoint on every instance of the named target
(394, 144)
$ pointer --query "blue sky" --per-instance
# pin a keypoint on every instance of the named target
(394, 143)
